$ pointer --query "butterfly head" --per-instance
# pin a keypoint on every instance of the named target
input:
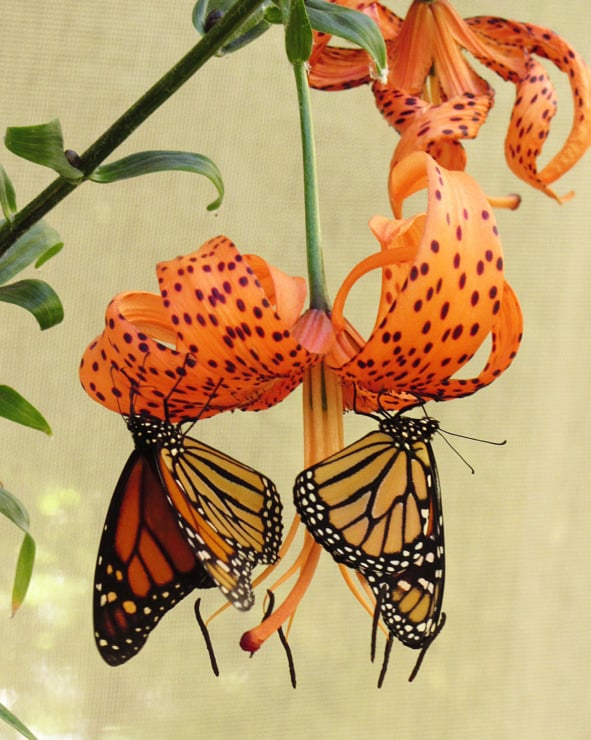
(149, 431)
(407, 431)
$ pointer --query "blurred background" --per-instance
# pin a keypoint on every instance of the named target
(513, 660)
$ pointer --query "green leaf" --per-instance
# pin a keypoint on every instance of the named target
(51, 252)
(351, 25)
(207, 13)
(38, 298)
(298, 33)
(24, 571)
(16, 408)
(145, 163)
(42, 144)
(14, 510)
(15, 722)
(7, 195)
(32, 246)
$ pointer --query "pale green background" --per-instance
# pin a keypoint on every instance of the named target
(514, 658)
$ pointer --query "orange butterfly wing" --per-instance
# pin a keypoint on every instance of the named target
(371, 505)
(144, 565)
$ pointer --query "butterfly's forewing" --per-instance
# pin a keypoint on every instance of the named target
(144, 565)
(371, 504)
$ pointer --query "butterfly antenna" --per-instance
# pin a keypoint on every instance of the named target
(205, 406)
(282, 638)
(386, 661)
(474, 439)
(117, 393)
(189, 361)
(134, 385)
(207, 638)
(419, 662)
(457, 452)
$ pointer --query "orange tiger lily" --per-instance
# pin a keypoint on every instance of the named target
(218, 335)
(434, 98)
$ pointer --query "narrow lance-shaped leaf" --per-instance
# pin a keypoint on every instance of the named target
(12, 720)
(145, 163)
(42, 144)
(351, 25)
(39, 243)
(14, 510)
(24, 571)
(16, 408)
(7, 195)
(37, 297)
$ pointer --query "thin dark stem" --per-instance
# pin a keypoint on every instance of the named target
(130, 120)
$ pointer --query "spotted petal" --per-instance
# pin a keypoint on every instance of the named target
(536, 99)
(226, 319)
(213, 341)
(506, 336)
(134, 351)
(442, 287)
(435, 129)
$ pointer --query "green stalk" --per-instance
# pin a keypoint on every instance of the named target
(130, 120)
(316, 277)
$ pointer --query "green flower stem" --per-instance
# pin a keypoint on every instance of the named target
(316, 277)
(130, 120)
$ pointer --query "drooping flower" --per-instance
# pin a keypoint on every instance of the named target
(434, 98)
(230, 313)
(443, 294)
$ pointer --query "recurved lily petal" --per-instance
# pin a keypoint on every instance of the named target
(213, 340)
(337, 69)
(132, 365)
(536, 98)
(442, 286)
(506, 336)
(534, 108)
(435, 129)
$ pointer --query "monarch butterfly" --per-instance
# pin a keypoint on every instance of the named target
(183, 516)
(375, 506)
